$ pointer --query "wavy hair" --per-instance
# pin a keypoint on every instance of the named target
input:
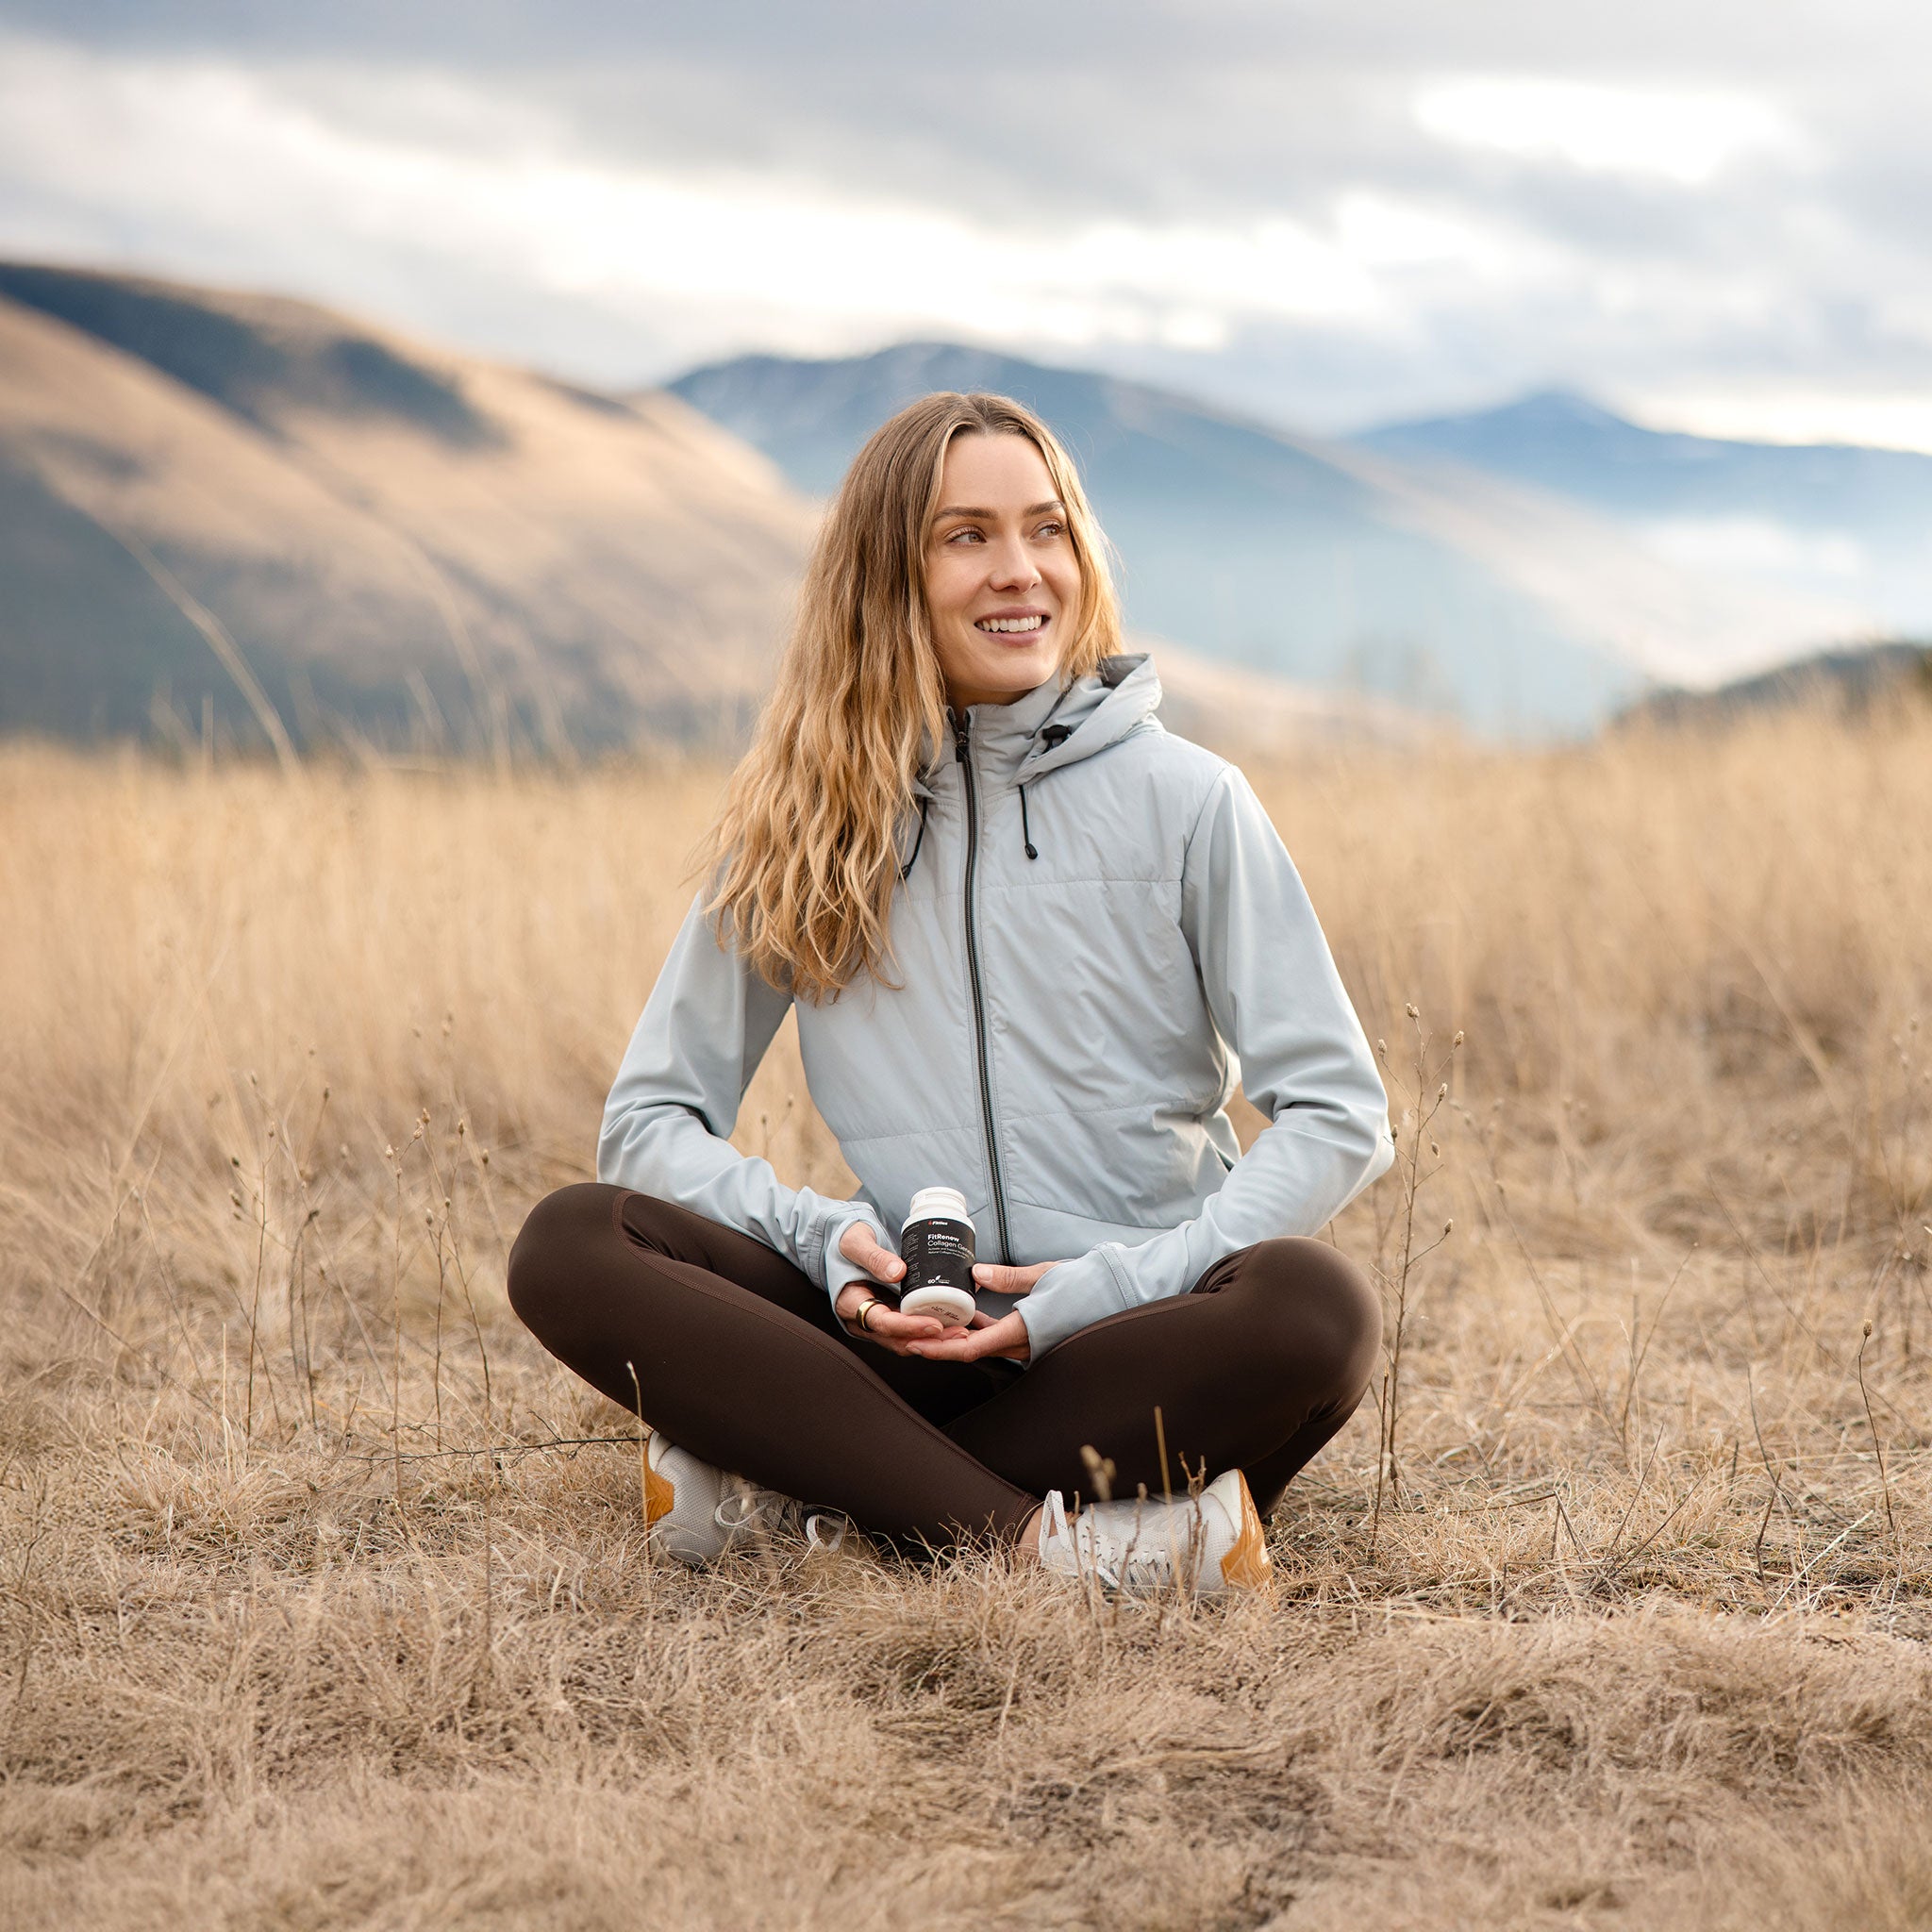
(803, 854)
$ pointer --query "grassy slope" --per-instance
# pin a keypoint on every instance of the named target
(1639, 1638)
(398, 541)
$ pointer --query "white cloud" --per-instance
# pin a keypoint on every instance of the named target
(1387, 231)
(224, 146)
(1308, 221)
(1758, 546)
(1795, 413)
(1681, 137)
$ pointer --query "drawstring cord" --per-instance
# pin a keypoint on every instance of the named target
(1054, 736)
(906, 869)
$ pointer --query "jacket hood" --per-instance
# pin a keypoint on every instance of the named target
(1049, 727)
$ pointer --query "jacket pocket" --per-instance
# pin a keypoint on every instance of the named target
(1135, 1166)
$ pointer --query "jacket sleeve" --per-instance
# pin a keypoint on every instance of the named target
(704, 1031)
(1275, 997)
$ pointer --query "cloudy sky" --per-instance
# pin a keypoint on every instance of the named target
(1710, 213)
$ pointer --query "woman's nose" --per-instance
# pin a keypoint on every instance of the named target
(1010, 566)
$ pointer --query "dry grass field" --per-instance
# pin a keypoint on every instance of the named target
(317, 1611)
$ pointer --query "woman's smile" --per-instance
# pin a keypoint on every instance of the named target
(1013, 623)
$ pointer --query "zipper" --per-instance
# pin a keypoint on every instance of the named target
(963, 748)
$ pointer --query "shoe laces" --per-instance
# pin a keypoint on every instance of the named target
(825, 1531)
(750, 1509)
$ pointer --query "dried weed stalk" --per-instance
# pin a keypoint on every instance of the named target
(1425, 1086)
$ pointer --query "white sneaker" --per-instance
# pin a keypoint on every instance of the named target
(696, 1512)
(1204, 1544)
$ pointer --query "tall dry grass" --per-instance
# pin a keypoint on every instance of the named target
(315, 1611)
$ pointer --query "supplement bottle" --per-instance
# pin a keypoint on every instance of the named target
(936, 1245)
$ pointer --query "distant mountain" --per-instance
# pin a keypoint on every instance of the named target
(1826, 520)
(306, 530)
(323, 531)
(1320, 562)
(1852, 680)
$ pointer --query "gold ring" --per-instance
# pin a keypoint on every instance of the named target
(864, 1310)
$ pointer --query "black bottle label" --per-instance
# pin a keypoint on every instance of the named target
(938, 1253)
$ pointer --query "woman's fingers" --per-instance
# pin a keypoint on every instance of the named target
(1005, 1337)
(926, 1335)
(867, 1314)
(886, 1321)
(862, 1247)
(999, 1279)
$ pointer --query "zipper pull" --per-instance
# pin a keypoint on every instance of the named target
(960, 735)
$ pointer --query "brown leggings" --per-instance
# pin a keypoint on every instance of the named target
(739, 1359)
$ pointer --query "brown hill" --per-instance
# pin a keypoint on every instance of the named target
(1850, 682)
(312, 529)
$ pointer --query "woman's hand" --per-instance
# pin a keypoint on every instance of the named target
(1004, 1335)
(997, 1279)
(926, 1335)
(884, 1323)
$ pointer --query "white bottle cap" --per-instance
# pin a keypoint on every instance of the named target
(946, 1204)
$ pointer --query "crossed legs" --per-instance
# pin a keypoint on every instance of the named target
(738, 1357)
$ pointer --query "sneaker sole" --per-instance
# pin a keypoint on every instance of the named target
(660, 1496)
(1246, 1565)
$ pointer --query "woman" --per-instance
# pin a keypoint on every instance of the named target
(1032, 939)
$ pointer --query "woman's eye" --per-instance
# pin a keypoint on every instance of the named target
(957, 534)
(1052, 529)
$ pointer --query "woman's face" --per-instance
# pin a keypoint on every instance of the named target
(1002, 578)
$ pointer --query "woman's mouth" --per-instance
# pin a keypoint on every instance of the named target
(1008, 627)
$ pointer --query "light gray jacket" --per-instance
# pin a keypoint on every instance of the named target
(1098, 934)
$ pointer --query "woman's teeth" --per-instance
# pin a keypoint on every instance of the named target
(1008, 623)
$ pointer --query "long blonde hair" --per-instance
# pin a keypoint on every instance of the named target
(805, 851)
